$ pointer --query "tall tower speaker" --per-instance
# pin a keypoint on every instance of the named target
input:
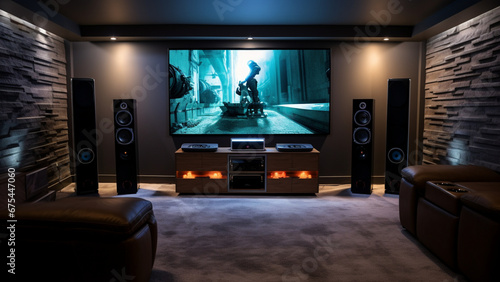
(361, 161)
(398, 109)
(126, 153)
(84, 135)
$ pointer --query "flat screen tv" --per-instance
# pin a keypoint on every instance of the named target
(249, 91)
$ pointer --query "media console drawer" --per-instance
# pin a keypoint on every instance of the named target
(201, 186)
(227, 171)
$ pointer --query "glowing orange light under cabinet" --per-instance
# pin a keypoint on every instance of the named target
(202, 174)
(216, 175)
(188, 175)
(278, 174)
(305, 175)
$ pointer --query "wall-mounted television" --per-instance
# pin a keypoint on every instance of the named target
(249, 91)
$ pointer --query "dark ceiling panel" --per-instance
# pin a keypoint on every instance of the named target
(246, 12)
(300, 19)
(244, 31)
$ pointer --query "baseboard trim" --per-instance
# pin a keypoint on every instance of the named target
(61, 184)
(170, 179)
(163, 179)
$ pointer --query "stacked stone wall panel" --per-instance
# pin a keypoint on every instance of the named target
(462, 94)
(33, 100)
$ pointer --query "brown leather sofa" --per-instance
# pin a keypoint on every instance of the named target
(455, 212)
(84, 239)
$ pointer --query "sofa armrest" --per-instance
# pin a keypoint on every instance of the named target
(418, 175)
(484, 202)
(414, 179)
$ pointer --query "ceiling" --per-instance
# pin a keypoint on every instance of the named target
(239, 19)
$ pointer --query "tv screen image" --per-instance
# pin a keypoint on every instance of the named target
(249, 91)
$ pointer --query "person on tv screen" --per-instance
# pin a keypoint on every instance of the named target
(256, 105)
(251, 81)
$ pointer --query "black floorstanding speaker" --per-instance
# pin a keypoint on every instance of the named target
(84, 135)
(361, 161)
(398, 109)
(126, 153)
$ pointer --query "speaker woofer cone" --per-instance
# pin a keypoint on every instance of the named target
(85, 156)
(361, 135)
(396, 155)
(123, 118)
(124, 136)
(362, 117)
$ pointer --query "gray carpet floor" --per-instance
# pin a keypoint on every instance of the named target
(331, 236)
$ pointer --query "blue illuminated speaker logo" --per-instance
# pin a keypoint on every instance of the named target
(85, 156)
(396, 155)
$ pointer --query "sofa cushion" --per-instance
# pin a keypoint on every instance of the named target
(102, 217)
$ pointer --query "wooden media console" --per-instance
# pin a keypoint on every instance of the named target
(246, 171)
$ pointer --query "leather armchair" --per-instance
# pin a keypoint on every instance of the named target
(85, 239)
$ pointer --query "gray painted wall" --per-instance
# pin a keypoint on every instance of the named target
(138, 70)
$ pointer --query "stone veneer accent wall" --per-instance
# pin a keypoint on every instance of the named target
(462, 94)
(33, 100)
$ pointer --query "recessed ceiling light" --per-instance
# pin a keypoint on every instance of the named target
(113, 38)
(250, 38)
(386, 39)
